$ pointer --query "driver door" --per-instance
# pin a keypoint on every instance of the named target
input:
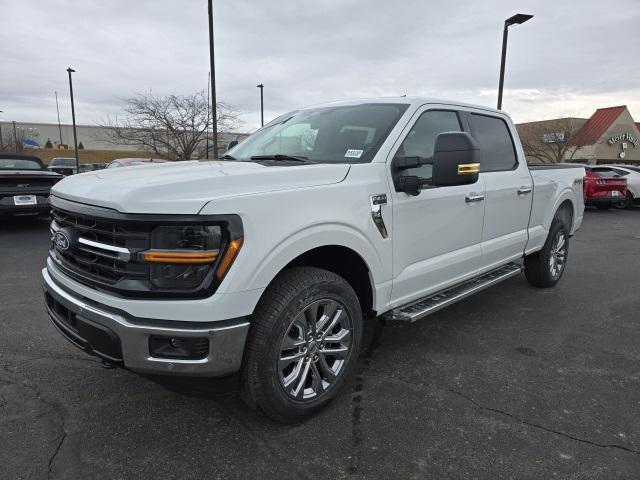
(437, 233)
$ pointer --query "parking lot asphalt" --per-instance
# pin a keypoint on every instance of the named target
(515, 382)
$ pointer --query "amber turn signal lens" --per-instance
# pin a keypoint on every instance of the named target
(176, 256)
(229, 256)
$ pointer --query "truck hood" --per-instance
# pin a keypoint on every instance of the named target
(185, 187)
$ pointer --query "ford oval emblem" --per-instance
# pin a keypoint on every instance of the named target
(61, 241)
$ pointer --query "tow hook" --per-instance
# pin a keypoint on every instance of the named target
(108, 365)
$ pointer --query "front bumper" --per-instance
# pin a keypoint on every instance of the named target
(115, 336)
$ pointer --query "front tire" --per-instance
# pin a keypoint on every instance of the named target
(545, 268)
(304, 338)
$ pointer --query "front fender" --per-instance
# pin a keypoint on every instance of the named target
(314, 237)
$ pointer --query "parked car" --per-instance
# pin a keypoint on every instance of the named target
(268, 263)
(632, 174)
(90, 167)
(129, 162)
(25, 184)
(603, 187)
(63, 166)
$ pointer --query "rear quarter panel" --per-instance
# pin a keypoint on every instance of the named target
(552, 187)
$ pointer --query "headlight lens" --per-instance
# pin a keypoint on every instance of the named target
(183, 257)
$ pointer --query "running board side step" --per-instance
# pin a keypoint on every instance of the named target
(432, 303)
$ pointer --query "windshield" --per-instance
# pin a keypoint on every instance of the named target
(63, 162)
(18, 164)
(347, 134)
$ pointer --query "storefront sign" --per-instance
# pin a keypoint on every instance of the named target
(625, 137)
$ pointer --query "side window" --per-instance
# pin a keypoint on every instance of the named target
(498, 151)
(420, 140)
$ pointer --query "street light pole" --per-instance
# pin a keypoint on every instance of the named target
(1, 146)
(73, 119)
(58, 110)
(516, 19)
(214, 116)
(261, 87)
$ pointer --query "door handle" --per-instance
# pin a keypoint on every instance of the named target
(524, 190)
(473, 197)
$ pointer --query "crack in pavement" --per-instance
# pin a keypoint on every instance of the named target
(542, 427)
(62, 432)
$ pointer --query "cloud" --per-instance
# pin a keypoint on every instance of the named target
(571, 58)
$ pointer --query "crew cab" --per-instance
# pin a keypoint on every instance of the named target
(267, 262)
(604, 188)
(25, 184)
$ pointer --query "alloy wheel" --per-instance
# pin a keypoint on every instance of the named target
(558, 254)
(315, 349)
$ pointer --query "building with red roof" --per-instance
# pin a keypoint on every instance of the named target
(610, 135)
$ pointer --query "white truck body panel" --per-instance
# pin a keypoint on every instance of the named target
(435, 239)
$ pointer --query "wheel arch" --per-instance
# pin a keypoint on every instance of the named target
(346, 263)
(566, 213)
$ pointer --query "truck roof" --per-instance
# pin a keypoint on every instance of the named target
(415, 101)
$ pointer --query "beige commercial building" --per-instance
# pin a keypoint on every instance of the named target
(610, 135)
(92, 137)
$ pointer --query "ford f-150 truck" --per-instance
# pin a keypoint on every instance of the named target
(266, 262)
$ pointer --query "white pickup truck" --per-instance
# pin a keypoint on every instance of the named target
(267, 262)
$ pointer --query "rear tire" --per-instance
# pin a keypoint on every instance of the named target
(545, 268)
(627, 202)
(305, 336)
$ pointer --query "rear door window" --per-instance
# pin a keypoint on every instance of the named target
(496, 144)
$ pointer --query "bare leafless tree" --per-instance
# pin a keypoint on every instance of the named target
(12, 140)
(550, 141)
(174, 126)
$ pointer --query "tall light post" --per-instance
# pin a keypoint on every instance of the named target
(261, 87)
(1, 146)
(58, 110)
(214, 116)
(73, 119)
(517, 19)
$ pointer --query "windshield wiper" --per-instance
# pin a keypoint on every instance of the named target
(278, 156)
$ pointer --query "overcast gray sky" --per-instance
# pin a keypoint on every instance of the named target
(572, 57)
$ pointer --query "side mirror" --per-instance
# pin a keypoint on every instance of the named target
(456, 159)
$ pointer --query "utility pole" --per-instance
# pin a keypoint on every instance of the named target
(214, 116)
(261, 87)
(58, 109)
(73, 118)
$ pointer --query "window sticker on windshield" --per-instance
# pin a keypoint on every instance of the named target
(353, 153)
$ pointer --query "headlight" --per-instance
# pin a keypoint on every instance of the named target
(183, 257)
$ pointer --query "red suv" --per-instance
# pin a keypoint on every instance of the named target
(603, 188)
